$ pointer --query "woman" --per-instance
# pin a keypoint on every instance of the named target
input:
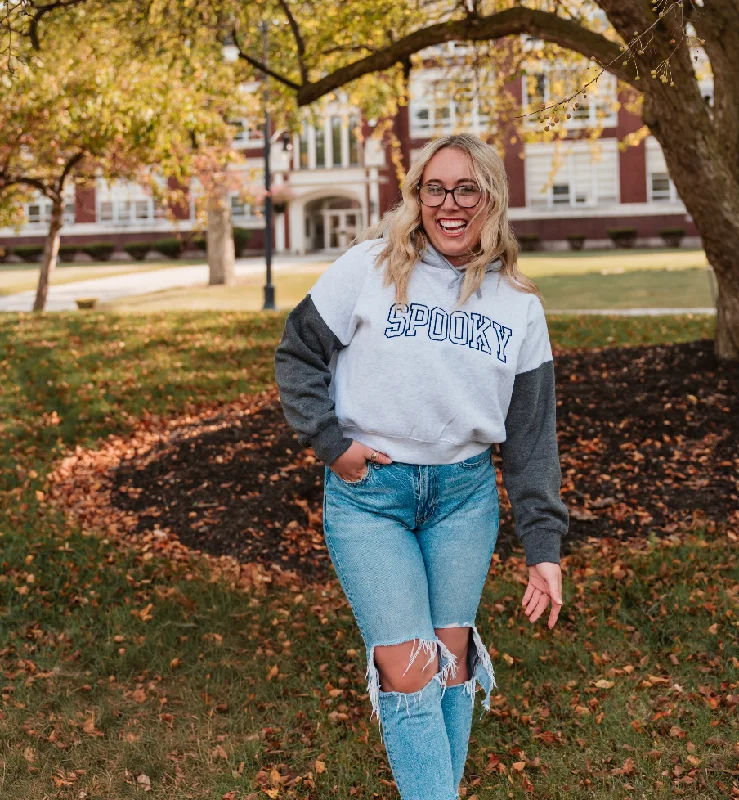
(411, 355)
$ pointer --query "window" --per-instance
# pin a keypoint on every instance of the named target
(439, 105)
(240, 134)
(124, 211)
(571, 176)
(240, 208)
(127, 204)
(561, 194)
(320, 147)
(36, 213)
(547, 87)
(353, 141)
(336, 141)
(304, 147)
(421, 120)
(583, 110)
(106, 211)
(661, 190)
(541, 88)
(660, 187)
(248, 134)
(39, 212)
(333, 143)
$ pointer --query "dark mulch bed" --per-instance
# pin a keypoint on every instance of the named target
(649, 441)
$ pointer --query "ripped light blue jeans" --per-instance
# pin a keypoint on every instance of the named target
(412, 545)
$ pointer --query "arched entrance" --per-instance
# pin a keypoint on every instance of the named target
(331, 223)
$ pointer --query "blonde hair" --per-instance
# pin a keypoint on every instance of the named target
(406, 239)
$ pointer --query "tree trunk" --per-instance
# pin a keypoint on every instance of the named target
(708, 186)
(51, 251)
(220, 241)
(726, 345)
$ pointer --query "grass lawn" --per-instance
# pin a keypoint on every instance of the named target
(566, 262)
(22, 277)
(125, 672)
(247, 295)
(684, 288)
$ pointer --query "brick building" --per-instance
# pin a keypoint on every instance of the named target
(338, 184)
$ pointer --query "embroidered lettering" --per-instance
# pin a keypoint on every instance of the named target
(419, 318)
(503, 335)
(438, 324)
(397, 320)
(478, 335)
(459, 327)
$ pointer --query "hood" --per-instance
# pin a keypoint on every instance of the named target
(434, 258)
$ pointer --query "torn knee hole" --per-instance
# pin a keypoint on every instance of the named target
(430, 648)
(393, 679)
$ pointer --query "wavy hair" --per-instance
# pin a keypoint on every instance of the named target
(406, 240)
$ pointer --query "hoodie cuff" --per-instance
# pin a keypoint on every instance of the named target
(330, 443)
(541, 545)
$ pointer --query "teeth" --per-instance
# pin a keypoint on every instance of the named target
(453, 226)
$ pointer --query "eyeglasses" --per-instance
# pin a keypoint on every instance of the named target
(467, 195)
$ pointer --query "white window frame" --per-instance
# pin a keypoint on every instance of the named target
(128, 204)
(610, 120)
(247, 214)
(422, 98)
(43, 218)
(326, 125)
(327, 148)
(656, 166)
(245, 138)
(566, 176)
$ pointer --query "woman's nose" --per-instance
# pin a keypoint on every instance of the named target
(449, 202)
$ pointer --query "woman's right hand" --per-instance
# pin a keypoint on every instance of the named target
(351, 465)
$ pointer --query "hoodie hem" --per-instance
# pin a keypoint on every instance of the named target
(416, 451)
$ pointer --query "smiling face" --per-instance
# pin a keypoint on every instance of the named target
(452, 230)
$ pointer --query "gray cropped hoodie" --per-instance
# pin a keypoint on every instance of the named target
(428, 384)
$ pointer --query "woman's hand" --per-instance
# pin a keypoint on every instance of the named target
(351, 465)
(545, 584)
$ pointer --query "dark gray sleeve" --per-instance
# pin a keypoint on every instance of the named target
(531, 471)
(303, 377)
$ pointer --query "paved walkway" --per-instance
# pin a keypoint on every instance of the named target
(63, 297)
(631, 312)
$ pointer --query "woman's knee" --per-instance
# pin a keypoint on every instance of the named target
(405, 667)
(458, 641)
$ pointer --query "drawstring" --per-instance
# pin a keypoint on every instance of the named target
(458, 278)
(494, 266)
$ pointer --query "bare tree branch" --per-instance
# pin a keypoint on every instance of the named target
(39, 12)
(299, 42)
(39, 185)
(541, 24)
(258, 65)
(53, 192)
(68, 167)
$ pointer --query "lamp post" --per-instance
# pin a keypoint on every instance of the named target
(269, 289)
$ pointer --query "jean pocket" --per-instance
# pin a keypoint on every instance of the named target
(473, 462)
(364, 479)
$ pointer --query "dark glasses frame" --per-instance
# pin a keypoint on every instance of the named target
(452, 192)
